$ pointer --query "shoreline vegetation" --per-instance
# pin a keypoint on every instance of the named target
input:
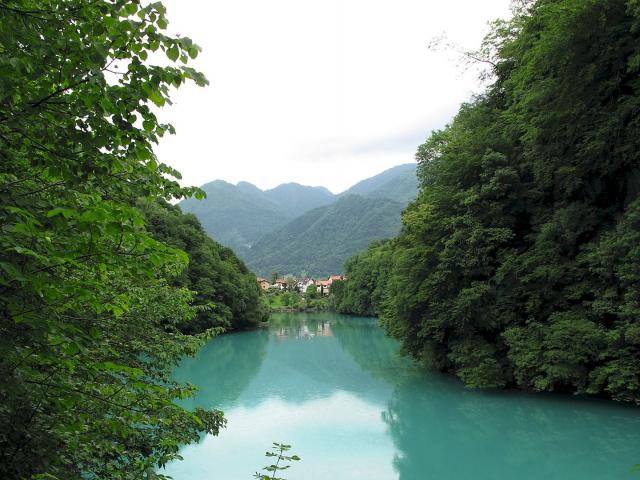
(297, 302)
(517, 266)
(100, 276)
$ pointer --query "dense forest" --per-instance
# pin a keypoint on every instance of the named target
(320, 241)
(367, 274)
(225, 289)
(518, 264)
(101, 277)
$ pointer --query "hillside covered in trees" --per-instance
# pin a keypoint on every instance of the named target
(518, 264)
(320, 241)
(240, 215)
(100, 276)
(225, 289)
(294, 228)
(398, 183)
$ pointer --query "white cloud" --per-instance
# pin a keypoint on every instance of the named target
(340, 436)
(319, 92)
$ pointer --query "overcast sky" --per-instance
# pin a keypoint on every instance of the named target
(319, 92)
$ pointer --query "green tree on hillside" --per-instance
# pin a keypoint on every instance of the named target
(89, 313)
(221, 280)
(518, 263)
(364, 291)
(312, 292)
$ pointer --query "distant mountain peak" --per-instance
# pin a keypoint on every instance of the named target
(246, 184)
(239, 216)
(397, 183)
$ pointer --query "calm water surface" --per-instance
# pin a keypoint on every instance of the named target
(336, 388)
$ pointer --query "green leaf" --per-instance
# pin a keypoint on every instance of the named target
(65, 212)
(157, 98)
(173, 53)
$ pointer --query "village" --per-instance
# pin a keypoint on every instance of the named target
(300, 285)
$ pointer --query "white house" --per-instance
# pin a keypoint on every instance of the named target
(304, 283)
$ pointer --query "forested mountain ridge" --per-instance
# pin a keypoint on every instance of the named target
(236, 216)
(239, 215)
(296, 199)
(518, 264)
(319, 241)
(254, 223)
(397, 183)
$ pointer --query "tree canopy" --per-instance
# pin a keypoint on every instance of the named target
(367, 273)
(221, 280)
(89, 302)
(518, 264)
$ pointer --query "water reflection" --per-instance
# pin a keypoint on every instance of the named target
(304, 331)
(224, 368)
(336, 388)
(443, 431)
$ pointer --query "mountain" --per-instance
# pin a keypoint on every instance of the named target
(397, 183)
(236, 215)
(320, 240)
(295, 199)
(276, 229)
(239, 215)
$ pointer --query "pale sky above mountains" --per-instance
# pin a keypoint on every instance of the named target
(319, 92)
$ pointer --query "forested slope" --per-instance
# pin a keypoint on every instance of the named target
(220, 280)
(236, 216)
(89, 307)
(397, 183)
(321, 240)
(518, 264)
(368, 272)
(240, 216)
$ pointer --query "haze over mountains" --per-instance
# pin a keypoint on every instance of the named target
(294, 228)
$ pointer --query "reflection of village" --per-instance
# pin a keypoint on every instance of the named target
(300, 285)
(303, 332)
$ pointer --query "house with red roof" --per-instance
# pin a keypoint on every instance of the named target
(264, 283)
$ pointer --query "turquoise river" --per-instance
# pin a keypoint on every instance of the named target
(336, 388)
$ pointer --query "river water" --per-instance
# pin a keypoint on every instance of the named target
(336, 388)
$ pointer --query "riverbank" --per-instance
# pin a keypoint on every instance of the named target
(337, 387)
(298, 310)
(291, 302)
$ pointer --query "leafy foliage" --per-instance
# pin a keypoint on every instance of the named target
(221, 281)
(518, 263)
(278, 451)
(89, 313)
(367, 274)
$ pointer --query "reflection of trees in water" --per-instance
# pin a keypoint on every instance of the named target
(300, 326)
(443, 431)
(303, 331)
(372, 350)
(308, 361)
(223, 368)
